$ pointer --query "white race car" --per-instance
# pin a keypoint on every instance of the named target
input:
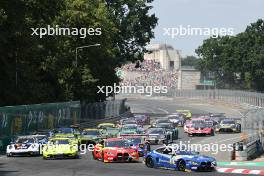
(26, 145)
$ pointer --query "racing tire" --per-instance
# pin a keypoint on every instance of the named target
(149, 162)
(181, 165)
(9, 155)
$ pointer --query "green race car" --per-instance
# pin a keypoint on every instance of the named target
(110, 132)
(91, 136)
(59, 148)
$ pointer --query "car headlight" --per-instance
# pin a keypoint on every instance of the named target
(195, 163)
(10, 147)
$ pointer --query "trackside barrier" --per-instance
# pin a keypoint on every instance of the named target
(26, 119)
(251, 150)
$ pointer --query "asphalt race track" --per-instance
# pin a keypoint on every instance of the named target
(86, 166)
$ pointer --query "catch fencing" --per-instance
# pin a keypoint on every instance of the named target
(26, 119)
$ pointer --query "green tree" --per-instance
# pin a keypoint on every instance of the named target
(236, 61)
(38, 70)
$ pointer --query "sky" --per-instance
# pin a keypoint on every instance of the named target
(235, 14)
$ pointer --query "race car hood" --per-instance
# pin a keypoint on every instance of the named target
(226, 125)
(115, 150)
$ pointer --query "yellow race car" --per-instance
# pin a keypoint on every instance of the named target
(106, 125)
(187, 113)
(59, 148)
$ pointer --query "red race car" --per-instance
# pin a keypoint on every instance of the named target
(204, 127)
(115, 150)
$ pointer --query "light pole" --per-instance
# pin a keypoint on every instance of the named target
(81, 47)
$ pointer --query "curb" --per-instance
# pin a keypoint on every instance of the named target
(240, 171)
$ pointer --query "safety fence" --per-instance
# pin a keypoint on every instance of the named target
(27, 119)
(235, 96)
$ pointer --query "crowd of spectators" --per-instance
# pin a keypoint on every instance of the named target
(150, 73)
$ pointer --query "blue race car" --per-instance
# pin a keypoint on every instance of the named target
(169, 158)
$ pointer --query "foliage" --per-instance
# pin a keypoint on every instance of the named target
(38, 70)
(236, 61)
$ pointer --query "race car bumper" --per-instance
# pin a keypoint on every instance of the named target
(226, 130)
(199, 132)
(60, 156)
(121, 157)
(204, 166)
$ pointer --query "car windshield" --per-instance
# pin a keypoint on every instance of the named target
(174, 117)
(64, 130)
(139, 117)
(25, 140)
(200, 125)
(162, 121)
(228, 122)
(117, 143)
(164, 125)
(155, 131)
(198, 121)
(64, 141)
(130, 126)
(91, 132)
(134, 140)
(130, 122)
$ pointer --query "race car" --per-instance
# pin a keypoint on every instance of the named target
(158, 136)
(128, 121)
(169, 127)
(217, 117)
(73, 133)
(109, 132)
(115, 150)
(106, 125)
(229, 125)
(187, 114)
(172, 158)
(59, 148)
(27, 145)
(131, 129)
(90, 136)
(177, 119)
(201, 129)
(163, 120)
(142, 119)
